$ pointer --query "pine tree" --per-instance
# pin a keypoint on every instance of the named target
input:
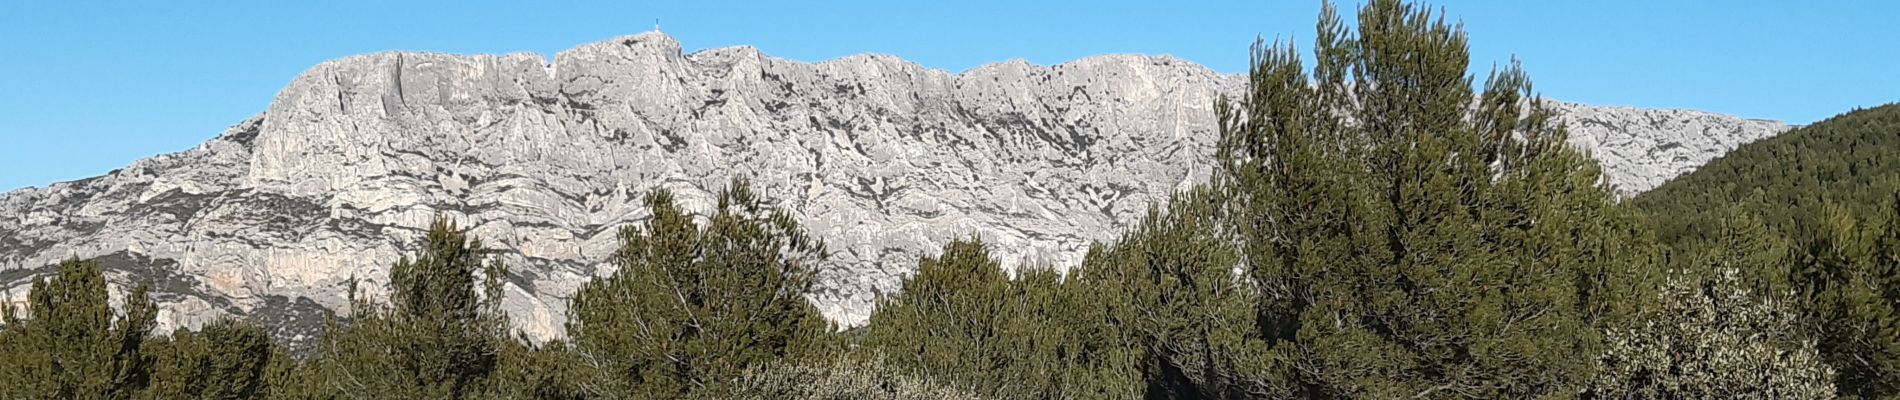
(950, 320)
(289, 378)
(226, 359)
(1743, 242)
(690, 307)
(438, 337)
(72, 344)
(1410, 239)
(961, 320)
(549, 371)
(1177, 311)
(1067, 347)
(1849, 275)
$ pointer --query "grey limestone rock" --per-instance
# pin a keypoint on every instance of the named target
(884, 159)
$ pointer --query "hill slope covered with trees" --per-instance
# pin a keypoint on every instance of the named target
(1851, 160)
(1818, 207)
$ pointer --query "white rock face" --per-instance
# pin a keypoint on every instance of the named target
(1642, 148)
(884, 159)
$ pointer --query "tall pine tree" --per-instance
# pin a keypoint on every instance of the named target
(439, 335)
(1183, 319)
(71, 344)
(691, 307)
(951, 320)
(1412, 240)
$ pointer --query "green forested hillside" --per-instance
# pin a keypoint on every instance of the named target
(1821, 207)
(1851, 160)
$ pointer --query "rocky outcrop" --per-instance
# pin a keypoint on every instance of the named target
(1642, 148)
(884, 159)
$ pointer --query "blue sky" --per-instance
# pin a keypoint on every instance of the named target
(91, 87)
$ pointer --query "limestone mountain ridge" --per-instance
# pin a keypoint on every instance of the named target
(546, 160)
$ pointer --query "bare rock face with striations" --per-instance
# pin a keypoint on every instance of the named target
(884, 159)
(1642, 148)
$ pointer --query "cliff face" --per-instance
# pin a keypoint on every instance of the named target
(884, 159)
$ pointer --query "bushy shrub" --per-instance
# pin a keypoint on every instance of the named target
(841, 377)
(1713, 338)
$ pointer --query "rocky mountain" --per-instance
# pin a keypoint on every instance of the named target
(885, 159)
(1642, 148)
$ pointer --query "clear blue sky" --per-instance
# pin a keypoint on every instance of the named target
(91, 87)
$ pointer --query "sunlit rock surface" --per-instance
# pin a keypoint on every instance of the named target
(884, 159)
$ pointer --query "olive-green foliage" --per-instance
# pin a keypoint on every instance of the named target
(1741, 241)
(1849, 274)
(1822, 187)
(1714, 333)
(1713, 338)
(437, 338)
(1177, 314)
(551, 371)
(286, 377)
(1851, 160)
(1408, 243)
(840, 377)
(226, 359)
(71, 345)
(950, 320)
(691, 307)
(1067, 345)
(1374, 229)
(962, 320)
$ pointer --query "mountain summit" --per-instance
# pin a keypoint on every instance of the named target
(882, 158)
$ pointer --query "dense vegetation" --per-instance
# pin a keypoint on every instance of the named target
(1382, 225)
(1849, 161)
(1818, 206)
